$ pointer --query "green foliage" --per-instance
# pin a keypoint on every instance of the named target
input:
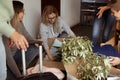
(92, 67)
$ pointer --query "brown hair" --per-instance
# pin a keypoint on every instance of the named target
(115, 4)
(18, 7)
(48, 10)
(117, 33)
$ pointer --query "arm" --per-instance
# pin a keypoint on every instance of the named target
(115, 61)
(44, 36)
(66, 28)
(27, 35)
(25, 32)
(9, 58)
(6, 29)
(111, 42)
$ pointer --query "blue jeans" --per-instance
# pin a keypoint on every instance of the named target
(30, 54)
(63, 35)
(3, 69)
(108, 21)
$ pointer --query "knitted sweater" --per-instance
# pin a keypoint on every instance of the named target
(6, 13)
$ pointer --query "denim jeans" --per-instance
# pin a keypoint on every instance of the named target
(63, 35)
(3, 68)
(30, 54)
(108, 21)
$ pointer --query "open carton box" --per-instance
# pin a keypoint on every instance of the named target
(114, 71)
(72, 70)
(54, 64)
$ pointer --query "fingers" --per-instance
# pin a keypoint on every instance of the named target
(99, 7)
(25, 45)
(102, 44)
(20, 41)
(17, 44)
(37, 45)
(22, 44)
(11, 44)
(100, 13)
(29, 71)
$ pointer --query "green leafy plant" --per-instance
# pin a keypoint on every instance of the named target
(91, 66)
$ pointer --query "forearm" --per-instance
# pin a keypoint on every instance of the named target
(111, 41)
(6, 29)
(49, 54)
(106, 7)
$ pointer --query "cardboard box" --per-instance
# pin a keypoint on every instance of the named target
(54, 64)
(72, 70)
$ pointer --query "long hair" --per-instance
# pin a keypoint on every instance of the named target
(48, 10)
(18, 7)
(117, 33)
(115, 4)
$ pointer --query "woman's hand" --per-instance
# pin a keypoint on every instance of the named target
(114, 60)
(101, 10)
(102, 44)
(11, 43)
(37, 45)
(19, 40)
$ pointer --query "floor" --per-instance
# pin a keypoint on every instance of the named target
(86, 30)
(81, 30)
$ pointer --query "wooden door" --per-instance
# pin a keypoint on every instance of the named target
(55, 3)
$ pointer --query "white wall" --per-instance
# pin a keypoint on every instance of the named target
(32, 16)
(70, 11)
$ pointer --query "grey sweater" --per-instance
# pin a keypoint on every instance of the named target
(11, 51)
(46, 31)
(24, 32)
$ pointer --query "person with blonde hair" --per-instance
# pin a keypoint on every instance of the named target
(52, 26)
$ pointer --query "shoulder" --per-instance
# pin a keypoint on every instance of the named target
(43, 26)
(21, 25)
(60, 19)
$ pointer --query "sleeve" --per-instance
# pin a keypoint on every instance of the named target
(44, 35)
(9, 58)
(25, 32)
(66, 27)
(6, 29)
